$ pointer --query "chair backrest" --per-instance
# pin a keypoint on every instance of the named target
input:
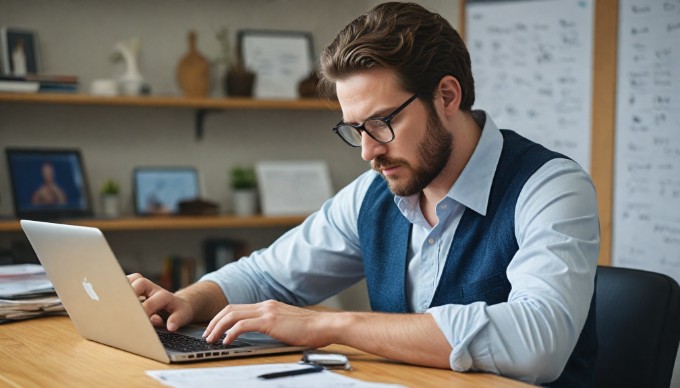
(638, 327)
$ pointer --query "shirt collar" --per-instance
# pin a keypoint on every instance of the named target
(473, 186)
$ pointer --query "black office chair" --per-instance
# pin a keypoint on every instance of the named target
(638, 327)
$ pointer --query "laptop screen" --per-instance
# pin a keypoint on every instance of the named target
(48, 183)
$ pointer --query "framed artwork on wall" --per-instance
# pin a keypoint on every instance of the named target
(19, 51)
(48, 183)
(280, 60)
(159, 190)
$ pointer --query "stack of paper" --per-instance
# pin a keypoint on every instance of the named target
(26, 292)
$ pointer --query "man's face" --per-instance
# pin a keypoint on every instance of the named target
(48, 173)
(422, 145)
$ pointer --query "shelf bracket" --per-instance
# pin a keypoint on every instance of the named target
(200, 120)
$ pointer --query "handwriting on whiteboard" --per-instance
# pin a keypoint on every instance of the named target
(647, 165)
(532, 63)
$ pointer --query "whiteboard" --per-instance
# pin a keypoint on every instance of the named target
(646, 229)
(532, 64)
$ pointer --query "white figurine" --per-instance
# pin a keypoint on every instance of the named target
(131, 81)
(19, 59)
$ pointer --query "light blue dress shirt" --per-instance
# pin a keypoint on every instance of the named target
(530, 337)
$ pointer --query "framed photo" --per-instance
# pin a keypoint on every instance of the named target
(20, 52)
(280, 60)
(159, 190)
(293, 188)
(48, 183)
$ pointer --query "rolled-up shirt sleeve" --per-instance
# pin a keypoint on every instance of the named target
(532, 335)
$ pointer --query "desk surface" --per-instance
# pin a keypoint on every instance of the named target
(48, 352)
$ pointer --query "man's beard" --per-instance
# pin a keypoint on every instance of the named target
(434, 152)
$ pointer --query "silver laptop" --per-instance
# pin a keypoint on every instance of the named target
(104, 308)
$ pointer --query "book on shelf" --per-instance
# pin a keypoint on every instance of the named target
(19, 86)
(218, 252)
(179, 272)
(45, 83)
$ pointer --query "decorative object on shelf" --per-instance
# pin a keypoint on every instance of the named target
(198, 207)
(131, 82)
(244, 186)
(193, 71)
(238, 81)
(104, 87)
(309, 87)
(110, 198)
(20, 54)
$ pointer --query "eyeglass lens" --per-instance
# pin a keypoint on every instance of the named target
(377, 129)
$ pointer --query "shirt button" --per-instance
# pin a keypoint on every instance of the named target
(443, 207)
(431, 241)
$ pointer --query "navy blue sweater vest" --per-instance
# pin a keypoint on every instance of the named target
(479, 256)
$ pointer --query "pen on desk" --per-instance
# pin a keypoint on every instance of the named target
(293, 372)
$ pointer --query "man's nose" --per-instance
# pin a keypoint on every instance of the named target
(371, 148)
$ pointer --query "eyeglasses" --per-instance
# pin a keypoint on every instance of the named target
(378, 128)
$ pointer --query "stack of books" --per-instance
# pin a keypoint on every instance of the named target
(44, 83)
(26, 292)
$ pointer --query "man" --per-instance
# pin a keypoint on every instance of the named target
(479, 246)
(49, 193)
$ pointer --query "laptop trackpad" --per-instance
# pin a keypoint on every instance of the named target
(196, 331)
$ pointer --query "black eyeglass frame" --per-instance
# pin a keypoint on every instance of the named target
(385, 119)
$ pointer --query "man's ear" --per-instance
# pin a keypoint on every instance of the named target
(449, 94)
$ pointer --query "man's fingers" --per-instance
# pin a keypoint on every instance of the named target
(227, 318)
(156, 320)
(134, 276)
(144, 287)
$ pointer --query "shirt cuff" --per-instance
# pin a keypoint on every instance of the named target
(464, 327)
(230, 289)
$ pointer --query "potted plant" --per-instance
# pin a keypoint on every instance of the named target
(244, 186)
(110, 197)
(238, 81)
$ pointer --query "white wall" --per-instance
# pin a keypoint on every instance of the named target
(77, 37)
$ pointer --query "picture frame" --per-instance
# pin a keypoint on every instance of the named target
(293, 187)
(159, 190)
(48, 183)
(280, 60)
(10, 39)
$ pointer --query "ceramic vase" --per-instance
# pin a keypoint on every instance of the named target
(193, 71)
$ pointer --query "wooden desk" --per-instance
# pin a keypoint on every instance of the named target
(47, 352)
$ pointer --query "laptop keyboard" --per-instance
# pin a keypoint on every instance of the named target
(183, 343)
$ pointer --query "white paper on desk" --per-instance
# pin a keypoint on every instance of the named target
(25, 287)
(241, 376)
(20, 270)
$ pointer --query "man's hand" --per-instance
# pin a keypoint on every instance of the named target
(386, 335)
(290, 324)
(157, 300)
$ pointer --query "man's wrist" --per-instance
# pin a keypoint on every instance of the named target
(339, 326)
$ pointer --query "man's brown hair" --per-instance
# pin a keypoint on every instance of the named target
(421, 46)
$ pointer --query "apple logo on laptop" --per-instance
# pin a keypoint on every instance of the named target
(90, 290)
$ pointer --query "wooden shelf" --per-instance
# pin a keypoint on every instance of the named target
(174, 223)
(202, 105)
(170, 102)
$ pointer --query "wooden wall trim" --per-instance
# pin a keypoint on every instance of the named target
(604, 117)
